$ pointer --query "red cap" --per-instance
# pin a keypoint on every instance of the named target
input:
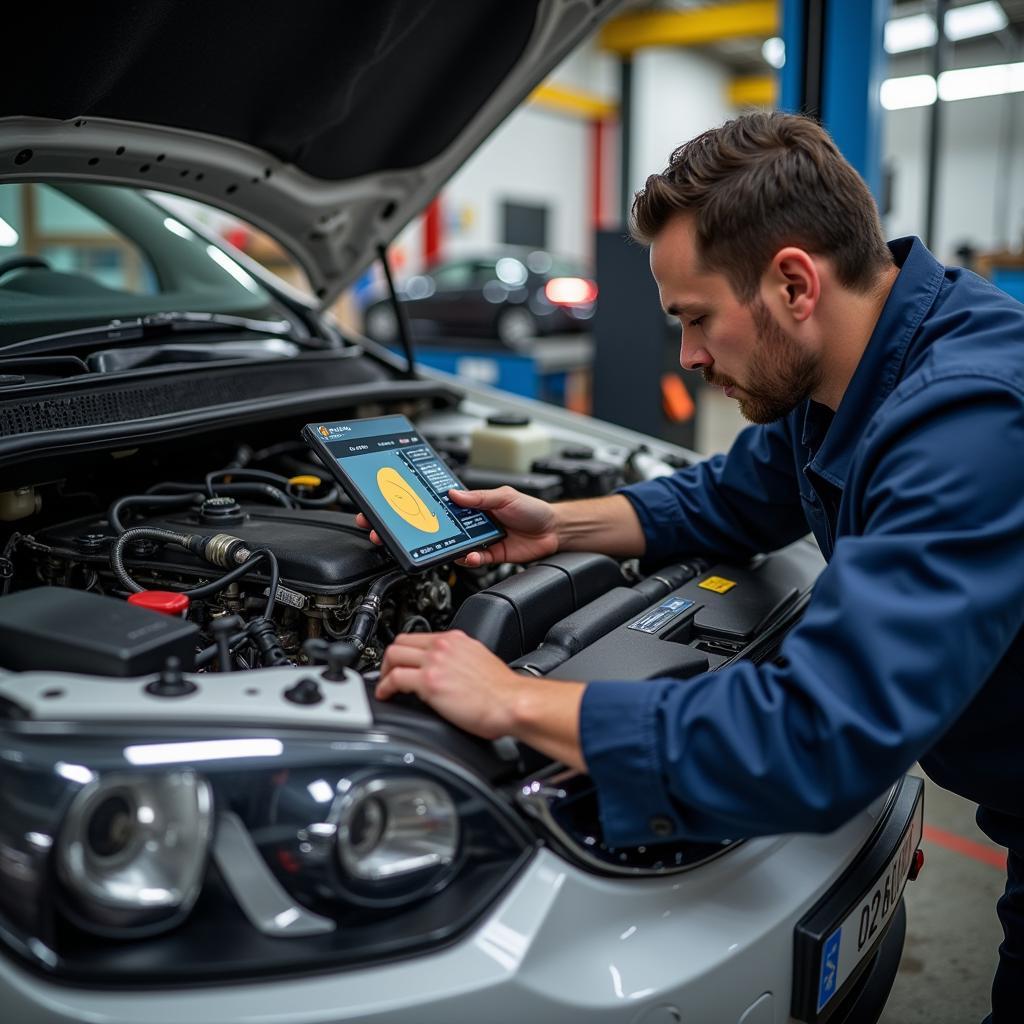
(165, 601)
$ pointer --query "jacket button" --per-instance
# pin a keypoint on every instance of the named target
(661, 826)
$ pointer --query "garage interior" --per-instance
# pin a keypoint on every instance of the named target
(922, 96)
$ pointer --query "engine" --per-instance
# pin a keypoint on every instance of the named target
(262, 555)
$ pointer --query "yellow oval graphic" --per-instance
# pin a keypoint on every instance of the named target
(405, 501)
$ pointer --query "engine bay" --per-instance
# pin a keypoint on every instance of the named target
(234, 574)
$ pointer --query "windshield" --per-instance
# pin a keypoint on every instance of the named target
(77, 254)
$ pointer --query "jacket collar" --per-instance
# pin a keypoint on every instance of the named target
(878, 371)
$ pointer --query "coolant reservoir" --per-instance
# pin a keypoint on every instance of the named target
(508, 442)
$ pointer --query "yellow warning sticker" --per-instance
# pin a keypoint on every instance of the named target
(719, 584)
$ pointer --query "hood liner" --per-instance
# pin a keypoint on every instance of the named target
(328, 124)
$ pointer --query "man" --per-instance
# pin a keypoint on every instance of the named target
(888, 398)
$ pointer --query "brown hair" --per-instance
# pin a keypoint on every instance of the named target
(761, 182)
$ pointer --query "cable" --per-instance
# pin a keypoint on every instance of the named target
(149, 533)
(7, 563)
(152, 500)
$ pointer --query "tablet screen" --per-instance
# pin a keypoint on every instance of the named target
(396, 474)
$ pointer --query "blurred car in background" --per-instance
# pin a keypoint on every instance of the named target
(513, 296)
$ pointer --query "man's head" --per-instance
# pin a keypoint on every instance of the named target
(747, 225)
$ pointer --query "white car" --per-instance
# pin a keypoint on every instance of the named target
(204, 814)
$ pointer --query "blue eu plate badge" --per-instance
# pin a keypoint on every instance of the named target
(829, 968)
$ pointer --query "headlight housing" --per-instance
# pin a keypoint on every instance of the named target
(131, 852)
(221, 856)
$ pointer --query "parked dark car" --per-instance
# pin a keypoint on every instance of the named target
(514, 296)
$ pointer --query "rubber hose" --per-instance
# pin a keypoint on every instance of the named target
(139, 532)
(152, 500)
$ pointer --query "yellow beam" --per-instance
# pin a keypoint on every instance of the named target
(753, 91)
(696, 27)
(575, 102)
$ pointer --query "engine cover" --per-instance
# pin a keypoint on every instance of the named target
(322, 552)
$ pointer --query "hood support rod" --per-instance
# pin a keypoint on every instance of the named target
(404, 334)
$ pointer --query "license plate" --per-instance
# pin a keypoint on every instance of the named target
(835, 939)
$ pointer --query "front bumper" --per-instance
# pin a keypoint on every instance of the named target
(561, 945)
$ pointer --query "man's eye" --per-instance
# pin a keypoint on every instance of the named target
(697, 322)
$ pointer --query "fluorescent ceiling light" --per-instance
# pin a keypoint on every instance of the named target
(917, 32)
(912, 91)
(961, 84)
(975, 20)
(774, 52)
(913, 33)
(970, 83)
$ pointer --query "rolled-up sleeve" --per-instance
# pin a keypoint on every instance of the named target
(728, 506)
(922, 598)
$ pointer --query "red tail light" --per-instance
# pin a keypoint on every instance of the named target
(570, 291)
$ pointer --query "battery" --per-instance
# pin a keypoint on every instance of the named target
(62, 630)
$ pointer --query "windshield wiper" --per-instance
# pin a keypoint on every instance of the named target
(154, 325)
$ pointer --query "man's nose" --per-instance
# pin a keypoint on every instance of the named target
(692, 355)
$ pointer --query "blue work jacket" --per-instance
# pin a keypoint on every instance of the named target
(911, 647)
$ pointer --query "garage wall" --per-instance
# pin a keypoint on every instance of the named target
(536, 157)
(677, 94)
(970, 207)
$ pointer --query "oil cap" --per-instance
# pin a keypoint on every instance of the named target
(220, 510)
(165, 601)
(508, 419)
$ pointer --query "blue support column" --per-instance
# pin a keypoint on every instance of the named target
(835, 62)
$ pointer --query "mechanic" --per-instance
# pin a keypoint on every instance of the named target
(887, 393)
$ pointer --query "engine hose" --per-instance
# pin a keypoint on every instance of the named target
(271, 652)
(263, 475)
(137, 533)
(237, 573)
(150, 500)
(188, 542)
(364, 621)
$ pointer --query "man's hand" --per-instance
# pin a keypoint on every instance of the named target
(529, 522)
(463, 681)
(457, 676)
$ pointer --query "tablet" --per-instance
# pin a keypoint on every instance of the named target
(401, 485)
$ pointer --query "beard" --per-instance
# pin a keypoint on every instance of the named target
(781, 374)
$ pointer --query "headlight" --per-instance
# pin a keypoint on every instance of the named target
(218, 857)
(132, 850)
(394, 828)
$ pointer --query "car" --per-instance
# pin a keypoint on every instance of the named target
(205, 815)
(515, 297)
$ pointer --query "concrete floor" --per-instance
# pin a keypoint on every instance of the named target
(953, 934)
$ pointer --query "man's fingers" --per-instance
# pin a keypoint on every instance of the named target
(490, 499)
(398, 680)
(469, 499)
(405, 655)
(475, 559)
(362, 522)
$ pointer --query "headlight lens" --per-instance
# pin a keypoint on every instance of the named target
(395, 827)
(216, 856)
(132, 850)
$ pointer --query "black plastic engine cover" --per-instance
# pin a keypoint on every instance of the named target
(323, 551)
(513, 616)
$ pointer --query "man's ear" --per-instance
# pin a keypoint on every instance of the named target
(791, 286)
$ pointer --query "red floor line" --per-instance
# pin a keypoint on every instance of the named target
(965, 847)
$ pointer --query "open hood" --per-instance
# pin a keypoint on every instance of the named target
(327, 123)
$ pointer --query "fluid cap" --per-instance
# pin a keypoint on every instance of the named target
(220, 510)
(508, 419)
(165, 601)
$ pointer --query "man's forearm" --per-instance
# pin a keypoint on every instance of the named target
(608, 525)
